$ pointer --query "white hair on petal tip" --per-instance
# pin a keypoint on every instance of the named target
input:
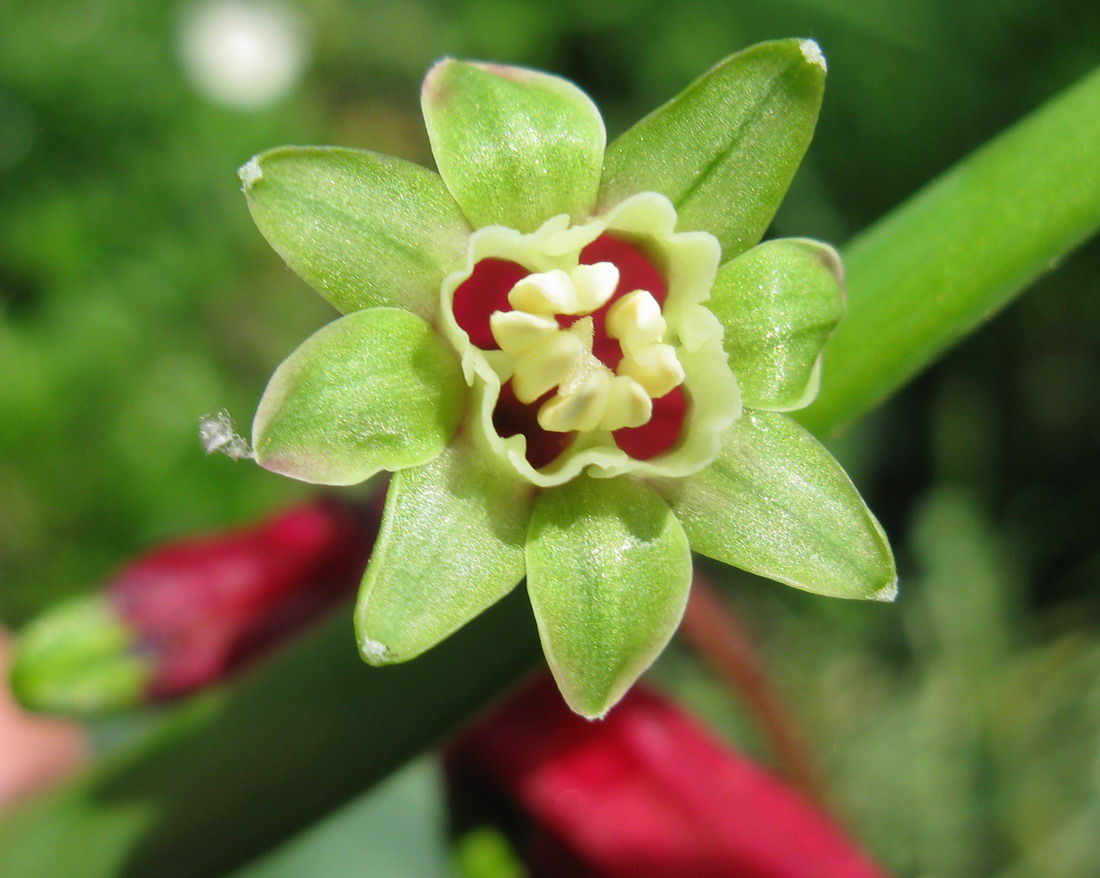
(218, 436)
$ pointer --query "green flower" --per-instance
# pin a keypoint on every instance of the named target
(573, 360)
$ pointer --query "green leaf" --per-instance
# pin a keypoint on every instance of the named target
(608, 572)
(777, 504)
(778, 302)
(725, 149)
(515, 146)
(948, 259)
(374, 390)
(450, 546)
(365, 230)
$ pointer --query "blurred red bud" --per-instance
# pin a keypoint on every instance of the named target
(193, 611)
(204, 606)
(644, 793)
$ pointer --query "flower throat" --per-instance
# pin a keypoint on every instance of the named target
(581, 350)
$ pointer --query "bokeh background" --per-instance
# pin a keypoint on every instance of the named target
(959, 727)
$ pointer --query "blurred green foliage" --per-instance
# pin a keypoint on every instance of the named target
(960, 726)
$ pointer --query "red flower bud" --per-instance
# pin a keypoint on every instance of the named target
(205, 606)
(194, 611)
(644, 793)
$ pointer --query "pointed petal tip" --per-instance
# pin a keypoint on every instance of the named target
(250, 173)
(433, 90)
(592, 706)
(437, 68)
(374, 653)
(811, 51)
(584, 707)
(887, 594)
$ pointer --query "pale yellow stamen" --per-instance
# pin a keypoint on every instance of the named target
(584, 289)
(589, 395)
(581, 409)
(637, 318)
(545, 366)
(595, 284)
(628, 405)
(548, 293)
(655, 367)
(518, 331)
(636, 321)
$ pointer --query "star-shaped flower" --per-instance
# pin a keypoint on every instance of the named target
(573, 360)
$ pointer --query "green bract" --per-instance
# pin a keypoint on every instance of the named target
(572, 358)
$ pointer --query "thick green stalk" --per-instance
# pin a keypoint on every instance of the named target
(951, 256)
(227, 778)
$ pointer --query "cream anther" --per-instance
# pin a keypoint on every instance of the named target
(602, 402)
(628, 405)
(579, 410)
(655, 367)
(595, 284)
(546, 365)
(518, 331)
(549, 293)
(545, 356)
(636, 321)
(584, 289)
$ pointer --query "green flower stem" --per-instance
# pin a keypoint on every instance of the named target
(309, 731)
(963, 247)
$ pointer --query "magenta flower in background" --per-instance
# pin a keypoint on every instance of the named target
(645, 793)
(193, 611)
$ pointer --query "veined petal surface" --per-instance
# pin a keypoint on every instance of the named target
(365, 230)
(777, 504)
(515, 146)
(374, 390)
(725, 149)
(608, 573)
(778, 302)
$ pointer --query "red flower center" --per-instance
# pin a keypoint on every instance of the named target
(486, 291)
